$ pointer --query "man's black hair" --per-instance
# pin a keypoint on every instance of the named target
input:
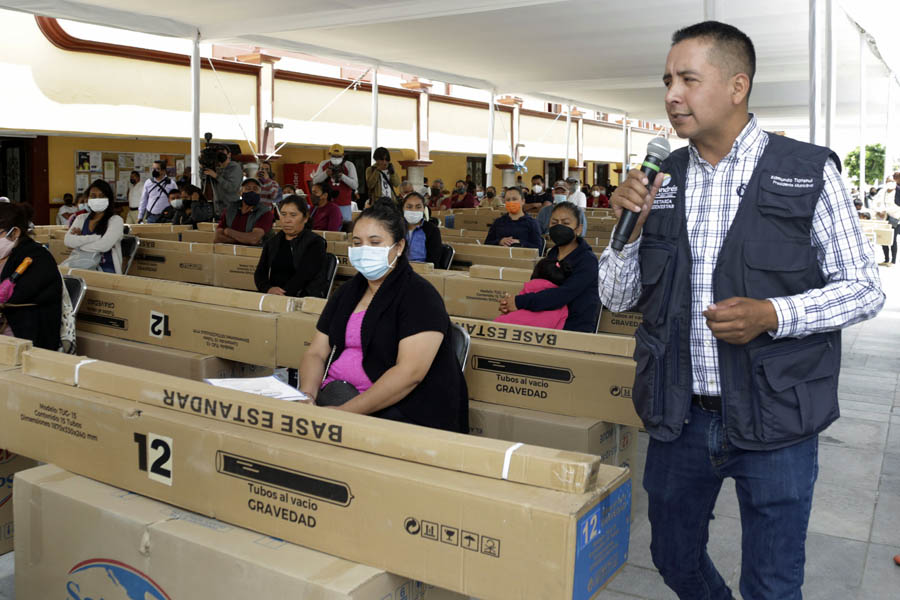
(537, 176)
(734, 49)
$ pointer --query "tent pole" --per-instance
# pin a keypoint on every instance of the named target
(374, 111)
(862, 114)
(568, 136)
(489, 163)
(830, 78)
(195, 109)
(625, 162)
(888, 144)
(814, 80)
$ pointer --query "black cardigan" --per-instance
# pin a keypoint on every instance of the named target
(41, 284)
(433, 243)
(405, 304)
(310, 278)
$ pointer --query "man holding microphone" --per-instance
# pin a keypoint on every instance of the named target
(746, 261)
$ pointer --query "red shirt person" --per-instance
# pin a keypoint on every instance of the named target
(325, 214)
(248, 222)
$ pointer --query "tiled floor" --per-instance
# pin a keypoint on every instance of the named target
(855, 525)
(854, 529)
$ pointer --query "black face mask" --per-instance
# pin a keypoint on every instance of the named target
(67, 201)
(561, 234)
(155, 173)
(490, 194)
(250, 198)
(221, 157)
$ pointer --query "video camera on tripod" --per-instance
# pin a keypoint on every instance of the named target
(213, 155)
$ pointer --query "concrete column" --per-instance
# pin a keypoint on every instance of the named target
(374, 111)
(568, 136)
(265, 140)
(489, 162)
(195, 110)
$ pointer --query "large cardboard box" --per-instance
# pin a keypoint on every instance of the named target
(467, 296)
(566, 382)
(202, 234)
(501, 256)
(240, 335)
(501, 273)
(10, 465)
(488, 538)
(332, 236)
(623, 323)
(235, 270)
(296, 330)
(97, 541)
(173, 236)
(155, 261)
(568, 472)
(178, 363)
(59, 250)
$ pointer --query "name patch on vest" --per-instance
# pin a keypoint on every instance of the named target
(792, 183)
(665, 197)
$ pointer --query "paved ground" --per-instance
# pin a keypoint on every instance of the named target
(854, 529)
(855, 526)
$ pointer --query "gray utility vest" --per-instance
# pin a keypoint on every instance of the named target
(234, 209)
(774, 392)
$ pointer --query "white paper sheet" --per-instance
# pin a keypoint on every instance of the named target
(263, 386)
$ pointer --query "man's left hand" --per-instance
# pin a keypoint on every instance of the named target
(739, 320)
(210, 173)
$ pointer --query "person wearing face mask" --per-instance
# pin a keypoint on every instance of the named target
(386, 333)
(95, 237)
(66, 210)
(466, 199)
(514, 228)
(574, 193)
(247, 223)
(492, 199)
(579, 290)
(422, 238)
(155, 194)
(292, 262)
(381, 178)
(80, 208)
(598, 198)
(269, 190)
(339, 175)
(135, 192)
(325, 215)
(222, 185)
(539, 196)
(438, 200)
(557, 196)
(37, 290)
(175, 204)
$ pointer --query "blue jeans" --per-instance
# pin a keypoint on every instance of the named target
(774, 490)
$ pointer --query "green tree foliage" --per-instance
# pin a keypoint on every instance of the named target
(874, 164)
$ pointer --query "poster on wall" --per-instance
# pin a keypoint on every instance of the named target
(82, 161)
(82, 180)
(121, 188)
(179, 168)
(109, 169)
(126, 161)
(96, 159)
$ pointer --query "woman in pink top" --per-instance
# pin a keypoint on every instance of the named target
(548, 274)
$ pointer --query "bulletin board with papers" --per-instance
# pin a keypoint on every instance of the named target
(116, 168)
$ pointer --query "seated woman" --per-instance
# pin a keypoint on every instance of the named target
(515, 228)
(422, 237)
(547, 275)
(37, 291)
(96, 236)
(292, 262)
(325, 215)
(389, 335)
(579, 291)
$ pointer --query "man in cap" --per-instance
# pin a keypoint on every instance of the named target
(338, 174)
(245, 223)
(574, 193)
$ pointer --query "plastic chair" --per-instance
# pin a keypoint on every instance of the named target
(447, 254)
(460, 341)
(76, 288)
(129, 245)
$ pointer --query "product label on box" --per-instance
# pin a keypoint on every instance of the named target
(101, 312)
(522, 379)
(58, 419)
(476, 542)
(602, 546)
(111, 580)
(509, 334)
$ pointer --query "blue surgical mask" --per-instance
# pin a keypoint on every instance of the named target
(371, 261)
(557, 198)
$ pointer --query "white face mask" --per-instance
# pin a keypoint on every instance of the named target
(538, 189)
(177, 204)
(557, 198)
(371, 261)
(336, 160)
(413, 217)
(479, 194)
(6, 244)
(595, 194)
(98, 205)
(82, 206)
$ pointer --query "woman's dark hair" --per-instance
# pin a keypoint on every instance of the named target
(381, 153)
(471, 187)
(551, 270)
(15, 215)
(297, 201)
(573, 210)
(105, 189)
(414, 195)
(385, 211)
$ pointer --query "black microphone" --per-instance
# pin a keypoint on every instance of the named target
(657, 151)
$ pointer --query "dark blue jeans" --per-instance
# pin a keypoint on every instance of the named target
(774, 490)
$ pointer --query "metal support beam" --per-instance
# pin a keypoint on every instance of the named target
(489, 163)
(627, 147)
(889, 145)
(568, 138)
(195, 109)
(830, 73)
(814, 75)
(374, 111)
(862, 113)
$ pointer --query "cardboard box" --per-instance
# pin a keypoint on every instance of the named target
(206, 227)
(172, 236)
(178, 363)
(177, 246)
(296, 330)
(623, 323)
(10, 465)
(12, 350)
(487, 538)
(156, 262)
(235, 334)
(201, 235)
(568, 472)
(105, 543)
(178, 290)
(565, 382)
(59, 250)
(466, 296)
(332, 236)
(501, 273)
(234, 272)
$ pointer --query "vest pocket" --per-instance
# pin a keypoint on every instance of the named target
(649, 380)
(656, 278)
(776, 269)
(794, 386)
